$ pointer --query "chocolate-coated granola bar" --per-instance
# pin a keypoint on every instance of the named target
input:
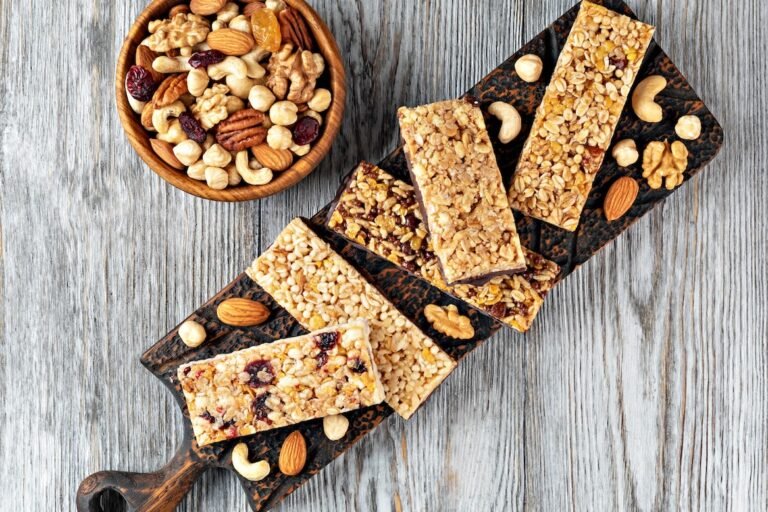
(318, 287)
(460, 190)
(268, 386)
(576, 120)
(380, 213)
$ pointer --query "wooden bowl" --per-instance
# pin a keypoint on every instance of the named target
(334, 79)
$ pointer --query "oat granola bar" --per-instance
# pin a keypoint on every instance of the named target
(318, 287)
(380, 213)
(576, 120)
(460, 190)
(268, 386)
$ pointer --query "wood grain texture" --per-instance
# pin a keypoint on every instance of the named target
(642, 386)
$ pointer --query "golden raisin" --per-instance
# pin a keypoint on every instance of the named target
(266, 30)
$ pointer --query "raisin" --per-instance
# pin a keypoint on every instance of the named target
(327, 340)
(207, 416)
(358, 366)
(322, 358)
(412, 221)
(619, 62)
(261, 373)
(306, 131)
(187, 370)
(192, 127)
(204, 59)
(140, 84)
(260, 408)
(499, 310)
(409, 266)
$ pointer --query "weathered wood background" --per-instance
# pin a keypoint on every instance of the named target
(643, 385)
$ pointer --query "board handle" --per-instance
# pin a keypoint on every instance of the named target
(161, 491)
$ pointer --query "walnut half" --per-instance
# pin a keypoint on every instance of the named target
(448, 321)
(665, 162)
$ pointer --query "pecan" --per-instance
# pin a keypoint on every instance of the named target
(242, 130)
(294, 29)
(172, 88)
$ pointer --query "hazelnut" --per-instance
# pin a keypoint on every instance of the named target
(188, 152)
(217, 156)
(261, 98)
(320, 101)
(688, 128)
(216, 177)
(335, 427)
(192, 333)
(529, 67)
(625, 152)
(284, 113)
(197, 171)
(279, 137)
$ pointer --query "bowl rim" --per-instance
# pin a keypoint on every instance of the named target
(139, 137)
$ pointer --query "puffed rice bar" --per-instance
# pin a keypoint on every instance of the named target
(273, 385)
(576, 120)
(318, 287)
(379, 212)
(459, 187)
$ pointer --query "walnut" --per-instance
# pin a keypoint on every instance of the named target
(662, 162)
(294, 74)
(182, 31)
(448, 321)
(211, 108)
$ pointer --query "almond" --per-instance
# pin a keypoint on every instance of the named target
(230, 41)
(146, 116)
(275, 159)
(293, 454)
(242, 312)
(144, 58)
(620, 198)
(165, 151)
(206, 7)
(252, 7)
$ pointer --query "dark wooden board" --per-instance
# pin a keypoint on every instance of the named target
(163, 490)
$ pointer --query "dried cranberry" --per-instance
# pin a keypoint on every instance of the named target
(192, 127)
(206, 58)
(260, 408)
(187, 370)
(306, 131)
(619, 62)
(227, 424)
(322, 358)
(358, 366)
(207, 416)
(327, 340)
(409, 266)
(261, 373)
(140, 84)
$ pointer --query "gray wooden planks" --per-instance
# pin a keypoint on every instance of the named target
(642, 386)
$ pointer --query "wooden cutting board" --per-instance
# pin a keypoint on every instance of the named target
(163, 490)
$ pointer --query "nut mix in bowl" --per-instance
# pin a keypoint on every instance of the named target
(237, 100)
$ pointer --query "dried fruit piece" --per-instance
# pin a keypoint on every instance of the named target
(620, 198)
(261, 373)
(306, 131)
(293, 454)
(327, 340)
(205, 58)
(192, 127)
(266, 30)
(140, 84)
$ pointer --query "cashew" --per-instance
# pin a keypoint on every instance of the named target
(229, 66)
(192, 334)
(201, 47)
(197, 82)
(197, 171)
(275, 5)
(261, 98)
(188, 152)
(217, 156)
(136, 105)
(687, 127)
(335, 427)
(228, 12)
(251, 471)
(643, 99)
(164, 64)
(161, 115)
(511, 123)
(252, 62)
(218, 25)
(216, 178)
(240, 87)
(175, 133)
(279, 137)
(529, 67)
(284, 113)
(186, 51)
(251, 171)
(241, 23)
(301, 150)
(321, 100)
(233, 175)
(625, 152)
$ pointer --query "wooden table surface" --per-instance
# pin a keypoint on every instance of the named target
(642, 385)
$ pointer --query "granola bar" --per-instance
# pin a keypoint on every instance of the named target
(268, 386)
(460, 190)
(318, 287)
(380, 213)
(576, 120)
